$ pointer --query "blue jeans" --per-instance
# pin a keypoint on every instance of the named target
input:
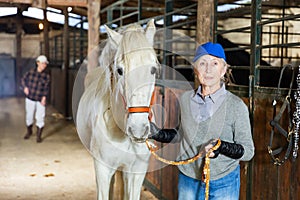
(226, 188)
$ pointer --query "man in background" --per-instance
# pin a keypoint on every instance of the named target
(35, 84)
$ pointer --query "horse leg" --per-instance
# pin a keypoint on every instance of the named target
(132, 185)
(116, 186)
(103, 179)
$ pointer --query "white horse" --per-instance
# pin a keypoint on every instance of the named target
(112, 117)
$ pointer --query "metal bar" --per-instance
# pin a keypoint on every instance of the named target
(140, 9)
(256, 11)
(81, 40)
(113, 5)
(182, 23)
(282, 33)
(234, 30)
(180, 53)
(273, 33)
(181, 9)
(236, 48)
(270, 21)
(74, 47)
(130, 8)
(215, 23)
(109, 17)
(123, 17)
(180, 40)
(294, 44)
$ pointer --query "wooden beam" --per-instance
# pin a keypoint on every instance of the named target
(39, 4)
(80, 3)
(17, 1)
(93, 32)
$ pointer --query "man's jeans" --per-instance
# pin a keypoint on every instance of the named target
(226, 188)
(34, 109)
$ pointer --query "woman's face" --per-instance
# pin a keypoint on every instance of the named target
(209, 70)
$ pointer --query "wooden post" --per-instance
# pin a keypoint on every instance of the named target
(93, 32)
(46, 34)
(205, 24)
(205, 21)
(19, 24)
(66, 60)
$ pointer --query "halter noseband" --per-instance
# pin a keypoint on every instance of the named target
(143, 109)
(139, 109)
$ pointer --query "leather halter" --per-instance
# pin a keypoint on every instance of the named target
(275, 123)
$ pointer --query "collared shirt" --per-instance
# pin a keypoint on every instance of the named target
(204, 107)
(37, 83)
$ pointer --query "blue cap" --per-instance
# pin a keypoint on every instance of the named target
(214, 49)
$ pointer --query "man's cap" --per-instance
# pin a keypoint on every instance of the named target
(42, 59)
(209, 48)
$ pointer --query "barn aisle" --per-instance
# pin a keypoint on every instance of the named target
(58, 168)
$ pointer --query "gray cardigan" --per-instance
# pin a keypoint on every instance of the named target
(229, 123)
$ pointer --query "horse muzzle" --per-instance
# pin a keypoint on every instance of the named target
(138, 132)
(138, 126)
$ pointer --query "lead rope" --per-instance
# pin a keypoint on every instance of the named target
(296, 119)
(206, 170)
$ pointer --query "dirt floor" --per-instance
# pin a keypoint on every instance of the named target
(59, 168)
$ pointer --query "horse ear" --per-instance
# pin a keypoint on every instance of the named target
(150, 31)
(113, 35)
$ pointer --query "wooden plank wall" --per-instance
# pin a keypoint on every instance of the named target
(165, 178)
(268, 180)
(271, 181)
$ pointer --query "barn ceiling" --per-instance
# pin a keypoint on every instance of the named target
(150, 8)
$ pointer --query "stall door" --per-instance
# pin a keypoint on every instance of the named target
(7, 77)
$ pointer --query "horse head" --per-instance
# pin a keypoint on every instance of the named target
(134, 70)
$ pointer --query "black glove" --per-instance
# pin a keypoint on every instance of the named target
(230, 150)
(162, 135)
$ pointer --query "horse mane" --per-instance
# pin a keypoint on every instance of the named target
(135, 33)
(101, 75)
(133, 40)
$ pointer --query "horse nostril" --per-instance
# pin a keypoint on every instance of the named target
(147, 130)
(129, 131)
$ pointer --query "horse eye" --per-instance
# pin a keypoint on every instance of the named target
(120, 71)
(153, 70)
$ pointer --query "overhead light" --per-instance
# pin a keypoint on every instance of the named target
(41, 26)
(70, 9)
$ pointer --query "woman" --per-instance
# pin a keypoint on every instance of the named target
(209, 113)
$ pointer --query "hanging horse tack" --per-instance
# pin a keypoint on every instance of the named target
(294, 122)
